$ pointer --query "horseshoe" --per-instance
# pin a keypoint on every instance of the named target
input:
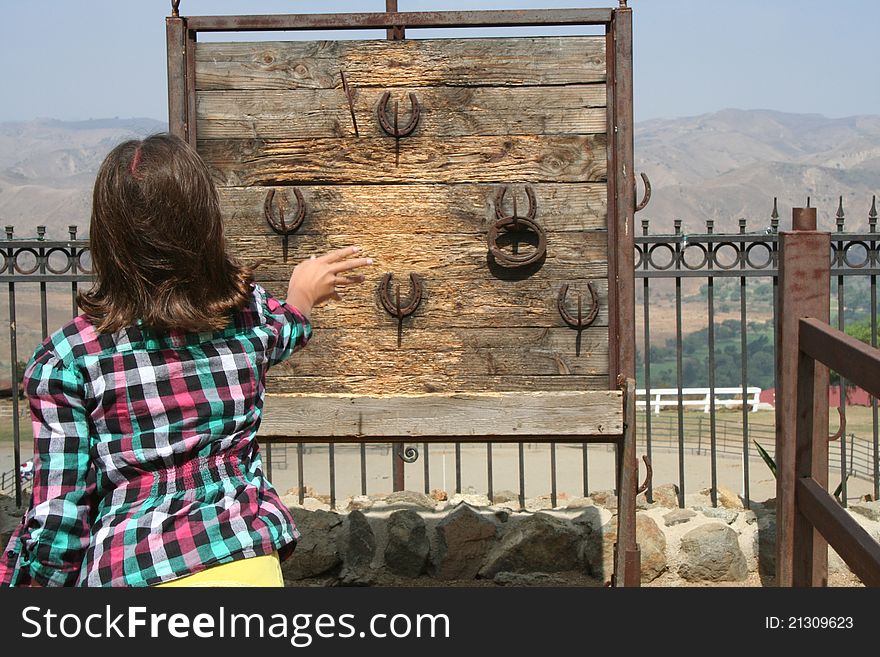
(580, 322)
(841, 429)
(647, 197)
(279, 225)
(516, 223)
(394, 130)
(394, 308)
(649, 475)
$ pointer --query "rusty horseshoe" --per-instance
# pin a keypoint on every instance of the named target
(649, 475)
(647, 197)
(279, 225)
(580, 322)
(394, 307)
(842, 428)
(514, 223)
(394, 129)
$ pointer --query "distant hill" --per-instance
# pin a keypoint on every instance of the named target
(47, 169)
(730, 164)
(719, 166)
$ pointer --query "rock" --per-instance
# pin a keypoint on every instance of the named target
(505, 496)
(412, 498)
(439, 495)
(711, 553)
(356, 577)
(750, 517)
(470, 498)
(538, 543)
(678, 516)
(502, 515)
(666, 495)
(359, 503)
(642, 503)
(729, 516)
(308, 491)
(766, 544)
(407, 550)
(314, 504)
(360, 542)
(540, 503)
(527, 579)
(464, 538)
(728, 499)
(578, 503)
(316, 552)
(605, 498)
(652, 546)
(870, 510)
(591, 520)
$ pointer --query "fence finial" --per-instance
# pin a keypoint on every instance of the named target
(774, 218)
(175, 8)
(872, 213)
(840, 216)
(808, 201)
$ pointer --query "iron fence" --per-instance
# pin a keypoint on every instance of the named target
(719, 272)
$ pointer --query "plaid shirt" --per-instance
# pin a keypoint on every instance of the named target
(147, 467)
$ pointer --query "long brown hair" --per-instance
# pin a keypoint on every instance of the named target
(156, 239)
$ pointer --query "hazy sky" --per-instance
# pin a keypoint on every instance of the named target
(78, 59)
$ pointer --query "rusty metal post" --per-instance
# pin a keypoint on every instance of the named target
(804, 291)
(621, 196)
(175, 35)
(396, 33)
(627, 558)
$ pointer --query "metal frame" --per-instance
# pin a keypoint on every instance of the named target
(182, 35)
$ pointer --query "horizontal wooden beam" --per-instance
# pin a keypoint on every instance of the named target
(857, 362)
(477, 417)
(383, 20)
(854, 545)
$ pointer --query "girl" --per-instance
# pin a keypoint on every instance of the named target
(146, 407)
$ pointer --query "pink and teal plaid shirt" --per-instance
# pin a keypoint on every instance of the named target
(146, 462)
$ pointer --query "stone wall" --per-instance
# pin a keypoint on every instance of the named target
(409, 538)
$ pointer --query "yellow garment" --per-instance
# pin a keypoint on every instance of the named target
(253, 571)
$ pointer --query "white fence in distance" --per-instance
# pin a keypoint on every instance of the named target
(661, 398)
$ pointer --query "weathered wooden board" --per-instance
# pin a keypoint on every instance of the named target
(420, 252)
(393, 384)
(443, 415)
(444, 112)
(396, 209)
(409, 63)
(493, 112)
(507, 159)
(453, 303)
(454, 351)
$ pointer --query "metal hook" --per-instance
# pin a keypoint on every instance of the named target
(649, 475)
(647, 197)
(516, 224)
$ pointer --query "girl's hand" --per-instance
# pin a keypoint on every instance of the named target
(315, 280)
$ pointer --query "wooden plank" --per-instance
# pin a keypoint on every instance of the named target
(413, 209)
(454, 352)
(525, 61)
(854, 545)
(464, 254)
(445, 416)
(525, 158)
(857, 362)
(396, 21)
(804, 280)
(457, 303)
(444, 112)
(392, 383)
